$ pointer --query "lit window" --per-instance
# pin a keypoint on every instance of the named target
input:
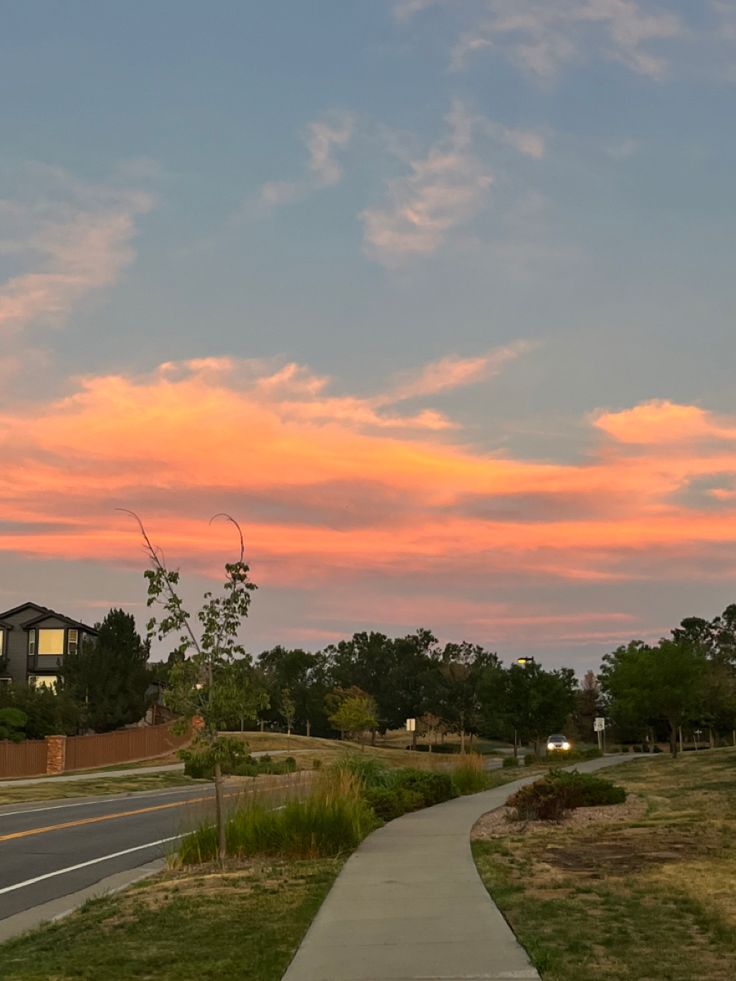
(42, 680)
(31, 642)
(73, 641)
(51, 642)
(2, 638)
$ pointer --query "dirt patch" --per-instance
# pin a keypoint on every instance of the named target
(498, 823)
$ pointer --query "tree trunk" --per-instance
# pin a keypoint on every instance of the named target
(711, 740)
(309, 728)
(288, 728)
(462, 739)
(516, 745)
(673, 739)
(220, 815)
(679, 734)
(262, 724)
(373, 737)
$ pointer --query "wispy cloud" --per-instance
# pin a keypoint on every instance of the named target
(73, 239)
(444, 189)
(454, 372)
(322, 138)
(543, 37)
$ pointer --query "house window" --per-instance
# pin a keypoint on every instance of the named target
(2, 642)
(31, 643)
(73, 643)
(51, 642)
(42, 680)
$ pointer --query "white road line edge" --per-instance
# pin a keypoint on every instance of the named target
(83, 865)
(134, 796)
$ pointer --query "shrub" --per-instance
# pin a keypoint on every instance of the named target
(391, 802)
(433, 788)
(367, 770)
(199, 760)
(250, 767)
(471, 776)
(530, 758)
(549, 798)
(13, 722)
(509, 761)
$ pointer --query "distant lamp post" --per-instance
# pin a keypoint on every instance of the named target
(525, 662)
(697, 733)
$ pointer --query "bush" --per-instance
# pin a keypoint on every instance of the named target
(530, 758)
(436, 748)
(561, 791)
(250, 767)
(391, 802)
(433, 788)
(509, 761)
(471, 776)
(367, 770)
(13, 722)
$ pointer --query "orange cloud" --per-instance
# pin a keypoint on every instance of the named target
(330, 489)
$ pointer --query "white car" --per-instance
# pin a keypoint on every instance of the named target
(558, 744)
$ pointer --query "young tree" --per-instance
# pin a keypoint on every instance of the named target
(288, 709)
(108, 677)
(355, 714)
(201, 678)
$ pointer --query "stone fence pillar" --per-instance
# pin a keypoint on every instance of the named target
(55, 754)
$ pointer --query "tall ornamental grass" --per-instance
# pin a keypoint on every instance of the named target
(333, 819)
(470, 775)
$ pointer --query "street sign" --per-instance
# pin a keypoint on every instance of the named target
(599, 724)
(411, 725)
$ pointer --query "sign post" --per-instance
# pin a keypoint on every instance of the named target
(599, 726)
(411, 726)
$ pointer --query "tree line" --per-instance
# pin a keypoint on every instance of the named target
(372, 682)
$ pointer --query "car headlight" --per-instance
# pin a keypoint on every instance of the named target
(550, 745)
(566, 745)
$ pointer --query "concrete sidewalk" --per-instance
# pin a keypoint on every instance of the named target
(410, 905)
(138, 771)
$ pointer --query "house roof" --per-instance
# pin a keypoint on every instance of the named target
(43, 613)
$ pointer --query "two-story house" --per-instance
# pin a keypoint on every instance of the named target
(33, 642)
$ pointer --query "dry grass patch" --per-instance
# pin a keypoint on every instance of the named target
(103, 786)
(635, 892)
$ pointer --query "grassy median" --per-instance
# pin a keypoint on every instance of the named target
(102, 786)
(202, 925)
(646, 894)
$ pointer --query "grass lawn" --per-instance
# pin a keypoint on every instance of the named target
(645, 899)
(106, 784)
(245, 923)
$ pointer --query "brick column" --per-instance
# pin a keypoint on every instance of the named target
(55, 754)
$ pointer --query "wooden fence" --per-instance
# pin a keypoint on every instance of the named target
(121, 746)
(60, 754)
(26, 759)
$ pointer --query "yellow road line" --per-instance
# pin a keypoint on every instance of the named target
(98, 818)
(123, 814)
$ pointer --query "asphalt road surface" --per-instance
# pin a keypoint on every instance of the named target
(56, 848)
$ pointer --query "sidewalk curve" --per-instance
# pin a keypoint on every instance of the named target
(409, 905)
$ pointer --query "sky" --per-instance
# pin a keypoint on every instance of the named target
(435, 297)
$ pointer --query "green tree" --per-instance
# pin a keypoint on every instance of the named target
(201, 678)
(537, 702)
(645, 684)
(355, 714)
(288, 709)
(108, 677)
(13, 724)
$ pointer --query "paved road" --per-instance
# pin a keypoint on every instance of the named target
(58, 847)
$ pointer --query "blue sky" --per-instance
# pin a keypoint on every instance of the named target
(514, 216)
